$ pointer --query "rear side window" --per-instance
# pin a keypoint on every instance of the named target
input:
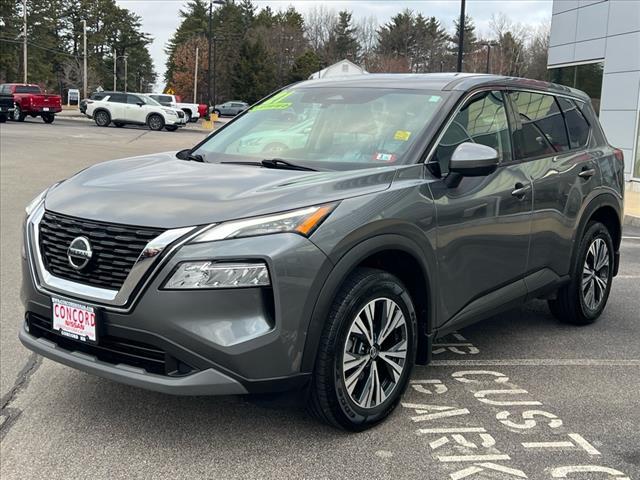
(118, 98)
(483, 120)
(98, 96)
(543, 130)
(133, 99)
(27, 89)
(577, 125)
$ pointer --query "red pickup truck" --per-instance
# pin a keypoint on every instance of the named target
(29, 99)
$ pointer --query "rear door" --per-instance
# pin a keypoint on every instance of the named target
(117, 102)
(552, 138)
(484, 223)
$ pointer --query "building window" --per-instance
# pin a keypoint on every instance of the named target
(586, 77)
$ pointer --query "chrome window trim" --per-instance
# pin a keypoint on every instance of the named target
(116, 300)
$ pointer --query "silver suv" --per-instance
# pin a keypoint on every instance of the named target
(413, 206)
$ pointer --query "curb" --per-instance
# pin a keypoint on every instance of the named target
(631, 220)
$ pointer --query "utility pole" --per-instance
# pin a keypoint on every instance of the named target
(115, 62)
(195, 79)
(125, 73)
(24, 45)
(211, 2)
(84, 78)
(461, 35)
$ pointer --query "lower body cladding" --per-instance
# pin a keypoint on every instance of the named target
(198, 341)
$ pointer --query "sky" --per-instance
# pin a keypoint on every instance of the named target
(160, 17)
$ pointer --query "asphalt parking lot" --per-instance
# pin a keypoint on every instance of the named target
(517, 396)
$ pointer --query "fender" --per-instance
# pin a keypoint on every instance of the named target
(600, 198)
(341, 270)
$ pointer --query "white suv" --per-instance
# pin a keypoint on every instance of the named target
(136, 109)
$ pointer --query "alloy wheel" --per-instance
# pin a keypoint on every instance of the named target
(595, 274)
(375, 351)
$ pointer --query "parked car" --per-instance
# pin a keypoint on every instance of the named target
(30, 100)
(203, 110)
(123, 109)
(234, 107)
(191, 110)
(6, 106)
(93, 96)
(418, 204)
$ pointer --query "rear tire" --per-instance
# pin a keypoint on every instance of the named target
(583, 299)
(118, 124)
(217, 112)
(3, 117)
(171, 128)
(187, 115)
(359, 376)
(155, 122)
(48, 117)
(102, 118)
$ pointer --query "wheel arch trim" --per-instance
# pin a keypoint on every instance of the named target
(341, 270)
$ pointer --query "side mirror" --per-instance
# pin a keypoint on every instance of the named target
(471, 160)
(183, 154)
(140, 104)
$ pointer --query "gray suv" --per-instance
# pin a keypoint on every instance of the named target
(414, 205)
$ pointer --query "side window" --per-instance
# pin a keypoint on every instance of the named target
(543, 130)
(577, 125)
(481, 120)
(133, 99)
(118, 98)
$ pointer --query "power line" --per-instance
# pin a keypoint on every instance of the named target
(52, 50)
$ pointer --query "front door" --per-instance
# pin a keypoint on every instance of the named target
(136, 113)
(484, 223)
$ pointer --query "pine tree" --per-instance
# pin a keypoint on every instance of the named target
(306, 64)
(343, 42)
(470, 40)
(254, 72)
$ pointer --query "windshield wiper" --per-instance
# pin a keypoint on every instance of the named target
(284, 164)
(195, 157)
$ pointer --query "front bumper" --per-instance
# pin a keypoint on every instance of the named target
(221, 342)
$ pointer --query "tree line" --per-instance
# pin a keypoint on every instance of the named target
(256, 51)
(55, 44)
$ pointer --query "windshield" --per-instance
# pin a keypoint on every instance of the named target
(329, 127)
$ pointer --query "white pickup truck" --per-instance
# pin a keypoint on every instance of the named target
(190, 109)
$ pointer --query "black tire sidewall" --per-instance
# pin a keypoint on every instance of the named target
(151, 117)
(377, 285)
(594, 231)
(98, 115)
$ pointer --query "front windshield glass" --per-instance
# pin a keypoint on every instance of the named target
(327, 127)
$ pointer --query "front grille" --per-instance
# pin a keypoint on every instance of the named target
(115, 249)
(113, 349)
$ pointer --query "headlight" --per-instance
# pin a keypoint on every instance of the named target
(169, 111)
(33, 204)
(204, 274)
(303, 222)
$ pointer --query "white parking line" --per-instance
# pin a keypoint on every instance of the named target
(552, 362)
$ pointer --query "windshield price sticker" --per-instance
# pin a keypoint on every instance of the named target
(468, 450)
(275, 103)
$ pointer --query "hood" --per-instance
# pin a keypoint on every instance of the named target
(165, 192)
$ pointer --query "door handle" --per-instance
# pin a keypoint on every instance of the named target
(587, 173)
(520, 190)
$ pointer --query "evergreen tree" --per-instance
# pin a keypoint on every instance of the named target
(306, 64)
(343, 42)
(254, 72)
(470, 40)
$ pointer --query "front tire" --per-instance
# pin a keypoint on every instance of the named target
(583, 299)
(18, 116)
(366, 352)
(155, 122)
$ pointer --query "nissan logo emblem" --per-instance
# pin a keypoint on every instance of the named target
(79, 253)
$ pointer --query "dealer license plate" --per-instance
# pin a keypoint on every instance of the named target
(74, 320)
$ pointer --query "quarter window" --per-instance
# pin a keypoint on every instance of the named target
(577, 125)
(543, 130)
(482, 120)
